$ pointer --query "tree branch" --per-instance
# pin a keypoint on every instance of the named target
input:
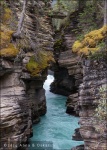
(20, 24)
(105, 12)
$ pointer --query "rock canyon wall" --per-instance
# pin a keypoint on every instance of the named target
(68, 69)
(25, 55)
(93, 131)
(80, 79)
(24, 59)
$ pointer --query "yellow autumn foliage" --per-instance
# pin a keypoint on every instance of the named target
(9, 51)
(5, 37)
(90, 41)
(77, 46)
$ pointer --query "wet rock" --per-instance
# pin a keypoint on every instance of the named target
(77, 136)
(72, 104)
(80, 147)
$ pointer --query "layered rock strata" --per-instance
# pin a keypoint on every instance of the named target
(22, 95)
(68, 68)
(93, 131)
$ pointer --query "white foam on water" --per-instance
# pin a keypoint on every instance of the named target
(47, 83)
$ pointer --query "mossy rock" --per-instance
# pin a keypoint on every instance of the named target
(90, 42)
(36, 66)
(7, 15)
(33, 67)
(7, 48)
(58, 45)
(6, 35)
(10, 51)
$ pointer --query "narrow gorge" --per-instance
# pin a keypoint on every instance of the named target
(53, 75)
(56, 126)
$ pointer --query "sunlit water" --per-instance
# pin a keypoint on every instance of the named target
(56, 125)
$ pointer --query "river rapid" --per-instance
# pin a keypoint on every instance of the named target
(56, 126)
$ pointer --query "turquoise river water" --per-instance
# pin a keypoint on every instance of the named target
(56, 126)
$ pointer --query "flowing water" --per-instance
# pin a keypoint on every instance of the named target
(56, 126)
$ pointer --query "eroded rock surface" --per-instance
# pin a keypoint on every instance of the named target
(22, 95)
(68, 69)
(93, 132)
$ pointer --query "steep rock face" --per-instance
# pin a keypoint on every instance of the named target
(22, 95)
(36, 96)
(68, 68)
(15, 113)
(93, 132)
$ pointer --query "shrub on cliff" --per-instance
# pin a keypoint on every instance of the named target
(91, 42)
(8, 49)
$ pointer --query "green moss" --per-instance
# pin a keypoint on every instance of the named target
(35, 67)
(58, 42)
(58, 46)
(32, 67)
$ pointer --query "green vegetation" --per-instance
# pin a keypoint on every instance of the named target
(65, 7)
(91, 43)
(35, 67)
(89, 19)
(58, 44)
(90, 15)
(101, 54)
